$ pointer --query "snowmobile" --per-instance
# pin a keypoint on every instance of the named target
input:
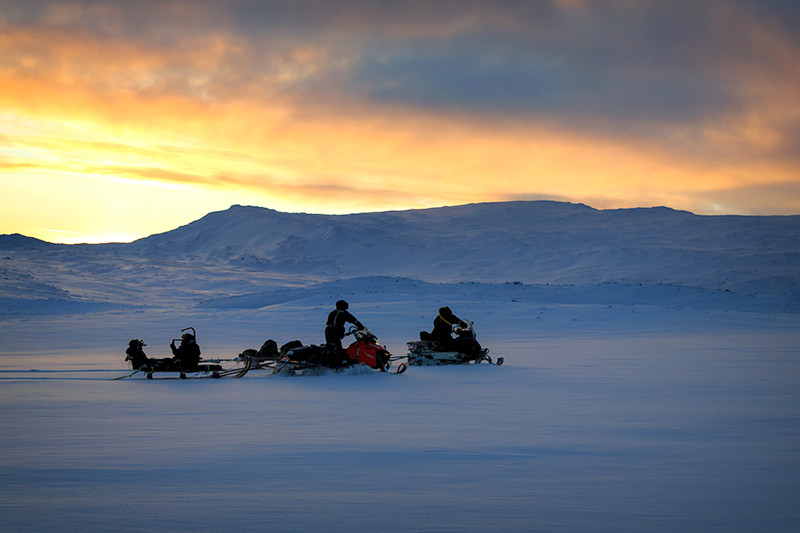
(365, 352)
(464, 349)
(205, 368)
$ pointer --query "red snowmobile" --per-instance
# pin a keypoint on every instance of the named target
(365, 351)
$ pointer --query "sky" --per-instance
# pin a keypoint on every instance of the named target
(122, 119)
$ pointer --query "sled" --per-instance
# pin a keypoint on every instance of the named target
(206, 369)
(203, 368)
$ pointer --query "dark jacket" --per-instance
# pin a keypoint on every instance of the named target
(334, 327)
(137, 357)
(188, 353)
(443, 328)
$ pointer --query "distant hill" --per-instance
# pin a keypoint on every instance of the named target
(531, 242)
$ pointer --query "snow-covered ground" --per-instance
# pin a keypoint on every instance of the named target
(623, 405)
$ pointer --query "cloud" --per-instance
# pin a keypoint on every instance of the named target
(763, 199)
(409, 102)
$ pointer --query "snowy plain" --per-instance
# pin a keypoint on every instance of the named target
(651, 378)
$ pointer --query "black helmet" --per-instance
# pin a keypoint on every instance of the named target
(445, 311)
(136, 342)
(341, 304)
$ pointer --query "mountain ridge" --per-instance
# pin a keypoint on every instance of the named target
(527, 241)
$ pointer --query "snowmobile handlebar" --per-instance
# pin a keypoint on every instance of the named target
(353, 330)
(361, 333)
(465, 329)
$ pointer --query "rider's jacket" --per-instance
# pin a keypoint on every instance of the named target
(188, 353)
(337, 319)
(443, 327)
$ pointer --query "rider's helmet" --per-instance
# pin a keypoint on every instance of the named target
(187, 337)
(445, 312)
(341, 304)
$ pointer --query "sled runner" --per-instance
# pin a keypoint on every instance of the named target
(211, 368)
(464, 349)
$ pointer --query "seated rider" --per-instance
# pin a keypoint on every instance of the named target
(136, 355)
(187, 355)
(334, 329)
(443, 329)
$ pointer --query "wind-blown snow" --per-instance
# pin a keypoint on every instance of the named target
(651, 377)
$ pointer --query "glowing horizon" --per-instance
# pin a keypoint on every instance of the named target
(118, 122)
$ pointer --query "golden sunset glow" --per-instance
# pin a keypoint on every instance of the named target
(113, 132)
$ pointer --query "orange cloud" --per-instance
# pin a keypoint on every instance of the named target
(256, 118)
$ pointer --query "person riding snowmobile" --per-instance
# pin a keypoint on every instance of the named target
(443, 326)
(440, 348)
(334, 330)
(187, 355)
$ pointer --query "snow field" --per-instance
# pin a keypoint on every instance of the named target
(603, 418)
(650, 384)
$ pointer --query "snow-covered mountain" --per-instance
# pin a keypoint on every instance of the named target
(244, 249)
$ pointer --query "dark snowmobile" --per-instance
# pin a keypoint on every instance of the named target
(186, 360)
(464, 349)
(365, 352)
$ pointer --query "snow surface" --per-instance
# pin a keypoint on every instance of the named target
(653, 385)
